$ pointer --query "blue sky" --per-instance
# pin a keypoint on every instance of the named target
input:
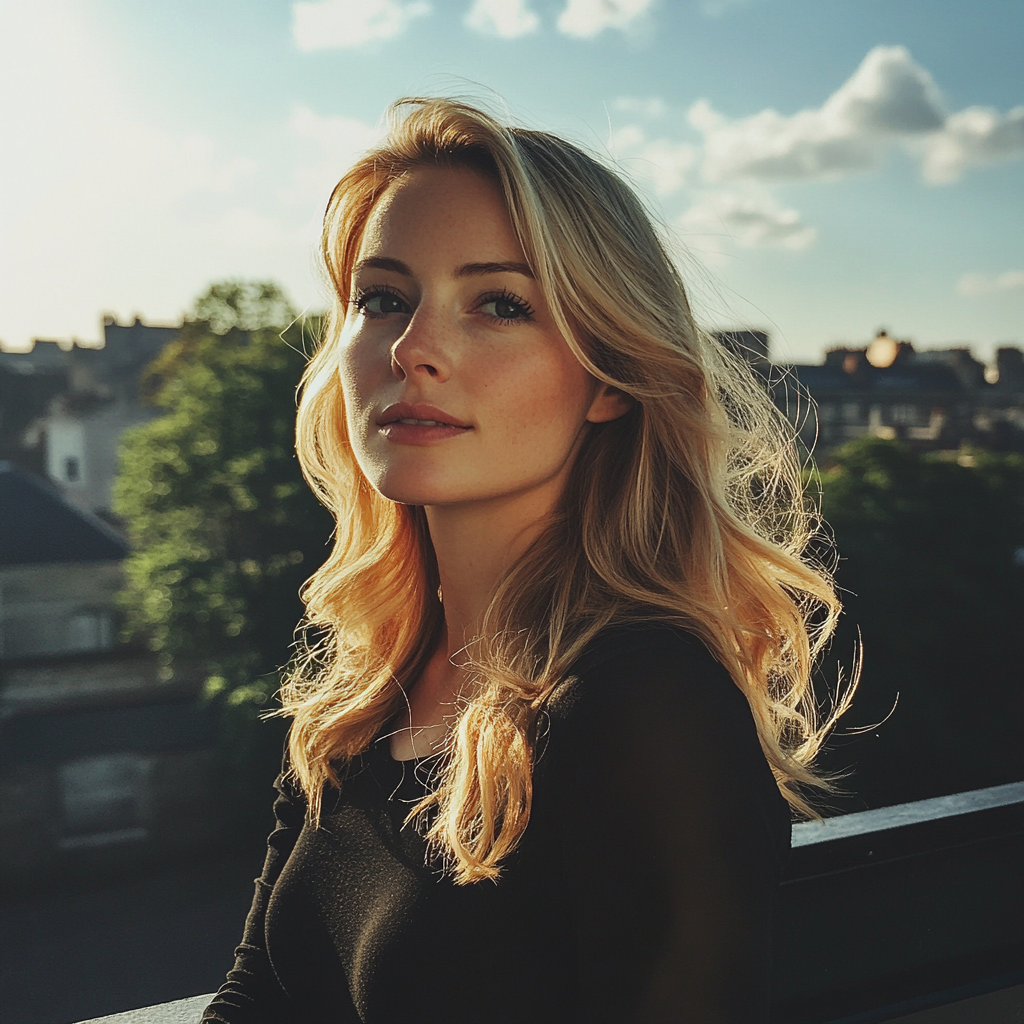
(827, 168)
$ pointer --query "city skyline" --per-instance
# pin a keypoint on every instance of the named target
(826, 169)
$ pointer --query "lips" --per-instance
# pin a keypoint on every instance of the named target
(419, 425)
(419, 415)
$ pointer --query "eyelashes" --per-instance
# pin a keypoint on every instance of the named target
(378, 301)
(520, 308)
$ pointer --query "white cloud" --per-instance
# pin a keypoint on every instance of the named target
(341, 138)
(341, 24)
(750, 221)
(889, 100)
(667, 164)
(625, 141)
(662, 162)
(651, 108)
(336, 142)
(587, 18)
(972, 137)
(985, 284)
(888, 96)
(508, 19)
(769, 146)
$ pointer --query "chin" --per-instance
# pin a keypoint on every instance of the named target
(410, 489)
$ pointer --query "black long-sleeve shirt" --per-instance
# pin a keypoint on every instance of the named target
(641, 891)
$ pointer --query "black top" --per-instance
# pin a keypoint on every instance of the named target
(642, 889)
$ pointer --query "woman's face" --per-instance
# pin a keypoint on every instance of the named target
(458, 386)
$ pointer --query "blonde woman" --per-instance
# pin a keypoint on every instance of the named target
(542, 767)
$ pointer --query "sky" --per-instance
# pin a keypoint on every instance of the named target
(825, 168)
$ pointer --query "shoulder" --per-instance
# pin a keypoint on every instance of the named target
(651, 713)
(648, 669)
(636, 638)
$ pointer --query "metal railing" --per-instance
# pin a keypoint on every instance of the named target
(903, 910)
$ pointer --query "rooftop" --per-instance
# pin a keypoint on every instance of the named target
(41, 526)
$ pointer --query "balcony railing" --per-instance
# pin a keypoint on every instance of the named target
(905, 910)
(910, 914)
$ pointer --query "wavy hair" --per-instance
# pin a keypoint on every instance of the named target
(689, 509)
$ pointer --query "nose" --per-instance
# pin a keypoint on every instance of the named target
(423, 347)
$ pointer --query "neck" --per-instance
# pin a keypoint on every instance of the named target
(475, 545)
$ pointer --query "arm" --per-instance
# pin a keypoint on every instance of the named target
(673, 837)
(251, 994)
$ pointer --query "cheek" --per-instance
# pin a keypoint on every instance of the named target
(348, 374)
(570, 389)
(357, 392)
(359, 373)
(547, 395)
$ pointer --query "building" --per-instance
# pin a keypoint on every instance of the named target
(751, 345)
(104, 758)
(64, 407)
(60, 570)
(936, 399)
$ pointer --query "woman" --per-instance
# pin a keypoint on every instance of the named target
(542, 761)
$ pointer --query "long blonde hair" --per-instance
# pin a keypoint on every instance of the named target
(689, 509)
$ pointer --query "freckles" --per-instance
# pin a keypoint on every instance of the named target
(537, 395)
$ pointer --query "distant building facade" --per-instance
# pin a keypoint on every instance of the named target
(104, 759)
(935, 399)
(63, 408)
(749, 344)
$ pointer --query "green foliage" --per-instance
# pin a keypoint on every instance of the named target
(928, 570)
(223, 528)
(250, 747)
(243, 305)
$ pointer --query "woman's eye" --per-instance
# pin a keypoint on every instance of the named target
(381, 304)
(504, 308)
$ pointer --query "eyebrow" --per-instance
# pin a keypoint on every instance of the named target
(384, 263)
(466, 270)
(480, 269)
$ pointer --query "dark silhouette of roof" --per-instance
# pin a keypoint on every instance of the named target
(928, 377)
(39, 525)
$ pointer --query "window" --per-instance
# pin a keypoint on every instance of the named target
(905, 415)
(90, 631)
(65, 452)
(105, 799)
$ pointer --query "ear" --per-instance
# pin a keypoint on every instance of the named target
(609, 404)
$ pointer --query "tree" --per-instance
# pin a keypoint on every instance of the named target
(929, 548)
(223, 528)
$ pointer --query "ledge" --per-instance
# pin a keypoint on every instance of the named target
(884, 818)
(903, 909)
(181, 1011)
